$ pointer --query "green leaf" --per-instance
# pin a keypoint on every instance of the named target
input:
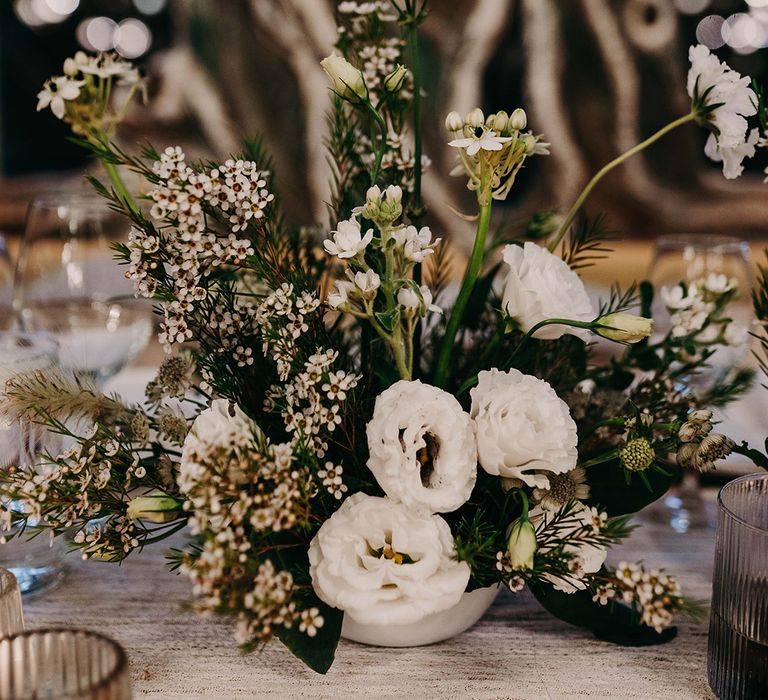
(387, 319)
(319, 651)
(609, 490)
(615, 622)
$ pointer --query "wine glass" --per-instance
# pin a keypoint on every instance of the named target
(68, 283)
(687, 258)
(7, 317)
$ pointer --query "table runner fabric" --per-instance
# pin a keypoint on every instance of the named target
(516, 652)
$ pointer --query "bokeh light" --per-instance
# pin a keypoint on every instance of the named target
(743, 33)
(149, 7)
(692, 7)
(132, 38)
(97, 33)
(710, 31)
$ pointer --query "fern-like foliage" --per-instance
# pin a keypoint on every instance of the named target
(587, 243)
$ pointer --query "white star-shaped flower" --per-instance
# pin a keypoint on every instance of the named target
(487, 141)
(55, 91)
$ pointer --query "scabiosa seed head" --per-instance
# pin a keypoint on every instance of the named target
(637, 455)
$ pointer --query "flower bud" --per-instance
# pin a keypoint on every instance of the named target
(529, 143)
(156, 506)
(519, 119)
(394, 81)
(701, 415)
(624, 328)
(408, 298)
(498, 122)
(367, 282)
(394, 194)
(521, 544)
(70, 67)
(475, 118)
(346, 80)
(453, 122)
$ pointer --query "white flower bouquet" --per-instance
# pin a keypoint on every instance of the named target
(342, 431)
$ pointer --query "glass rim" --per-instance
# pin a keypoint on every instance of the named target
(701, 241)
(8, 582)
(68, 198)
(121, 658)
(755, 476)
(43, 342)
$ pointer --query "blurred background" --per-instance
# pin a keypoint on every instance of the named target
(595, 76)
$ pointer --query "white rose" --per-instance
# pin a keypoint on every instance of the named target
(221, 424)
(540, 286)
(384, 564)
(588, 557)
(346, 80)
(422, 450)
(522, 427)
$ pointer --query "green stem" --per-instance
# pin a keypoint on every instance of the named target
(415, 206)
(382, 144)
(610, 166)
(120, 189)
(467, 285)
(472, 381)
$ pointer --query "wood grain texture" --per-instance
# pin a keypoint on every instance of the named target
(517, 651)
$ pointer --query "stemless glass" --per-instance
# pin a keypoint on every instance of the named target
(66, 664)
(737, 662)
(68, 283)
(11, 616)
(687, 258)
(36, 563)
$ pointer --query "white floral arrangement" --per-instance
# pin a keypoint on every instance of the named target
(341, 432)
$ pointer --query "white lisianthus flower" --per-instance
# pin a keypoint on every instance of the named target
(522, 427)
(540, 286)
(221, 424)
(348, 240)
(711, 82)
(421, 447)
(588, 557)
(346, 80)
(384, 564)
(56, 91)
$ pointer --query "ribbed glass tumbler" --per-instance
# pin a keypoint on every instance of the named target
(11, 616)
(65, 664)
(738, 631)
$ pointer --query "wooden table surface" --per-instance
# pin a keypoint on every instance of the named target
(516, 651)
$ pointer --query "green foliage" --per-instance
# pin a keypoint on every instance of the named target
(610, 490)
(587, 243)
(317, 652)
(615, 622)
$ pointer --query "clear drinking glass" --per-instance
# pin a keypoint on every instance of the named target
(68, 283)
(737, 662)
(687, 258)
(66, 664)
(11, 616)
(36, 563)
